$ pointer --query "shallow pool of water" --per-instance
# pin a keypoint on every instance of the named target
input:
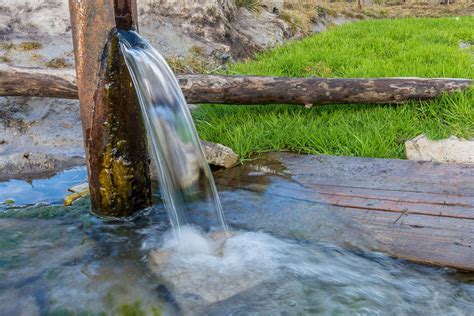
(63, 260)
(51, 191)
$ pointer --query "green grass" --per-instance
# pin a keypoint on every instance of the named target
(376, 48)
(251, 5)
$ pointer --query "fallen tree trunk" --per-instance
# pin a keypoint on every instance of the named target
(248, 89)
(33, 82)
(314, 91)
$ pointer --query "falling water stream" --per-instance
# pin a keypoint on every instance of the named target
(186, 182)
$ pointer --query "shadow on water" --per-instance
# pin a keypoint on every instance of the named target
(63, 260)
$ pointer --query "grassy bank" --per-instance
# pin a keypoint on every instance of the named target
(376, 48)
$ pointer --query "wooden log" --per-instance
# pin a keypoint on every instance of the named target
(249, 89)
(33, 82)
(313, 91)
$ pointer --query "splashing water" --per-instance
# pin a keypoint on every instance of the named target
(255, 273)
(186, 182)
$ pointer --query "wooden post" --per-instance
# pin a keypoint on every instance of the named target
(113, 128)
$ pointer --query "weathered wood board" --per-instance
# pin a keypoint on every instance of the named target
(419, 211)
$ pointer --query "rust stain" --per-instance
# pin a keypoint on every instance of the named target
(91, 22)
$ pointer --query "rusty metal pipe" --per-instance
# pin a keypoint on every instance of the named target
(126, 14)
(113, 128)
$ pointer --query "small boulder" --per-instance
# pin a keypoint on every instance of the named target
(453, 149)
(219, 155)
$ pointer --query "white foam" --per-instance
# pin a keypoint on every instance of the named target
(268, 272)
(244, 251)
(213, 268)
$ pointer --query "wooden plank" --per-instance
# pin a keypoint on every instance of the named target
(447, 209)
(392, 174)
(380, 193)
(423, 212)
(426, 239)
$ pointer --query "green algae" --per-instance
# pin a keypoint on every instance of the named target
(120, 181)
(43, 211)
(11, 239)
(69, 312)
(136, 309)
(131, 309)
(8, 202)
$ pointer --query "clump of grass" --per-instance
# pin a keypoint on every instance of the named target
(7, 46)
(27, 46)
(297, 20)
(5, 59)
(372, 48)
(59, 62)
(322, 11)
(252, 5)
(197, 51)
(36, 57)
(195, 61)
(319, 69)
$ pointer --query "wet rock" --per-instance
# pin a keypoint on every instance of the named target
(79, 188)
(219, 155)
(453, 149)
(216, 155)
